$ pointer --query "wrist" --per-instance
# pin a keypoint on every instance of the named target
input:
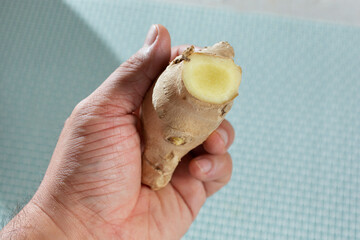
(31, 223)
(44, 220)
(61, 216)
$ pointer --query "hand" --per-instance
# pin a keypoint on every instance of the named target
(92, 187)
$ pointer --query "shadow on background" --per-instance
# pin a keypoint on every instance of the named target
(49, 61)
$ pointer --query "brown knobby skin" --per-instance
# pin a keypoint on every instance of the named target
(174, 121)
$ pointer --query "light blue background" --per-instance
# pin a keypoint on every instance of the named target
(297, 118)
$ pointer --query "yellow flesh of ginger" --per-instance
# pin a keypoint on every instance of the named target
(211, 78)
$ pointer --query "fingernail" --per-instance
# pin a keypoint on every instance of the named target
(151, 35)
(204, 165)
(223, 134)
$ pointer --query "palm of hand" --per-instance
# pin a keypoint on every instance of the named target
(105, 179)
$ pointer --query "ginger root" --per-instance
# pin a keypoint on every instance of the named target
(186, 104)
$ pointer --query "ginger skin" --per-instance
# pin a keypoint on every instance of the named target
(186, 104)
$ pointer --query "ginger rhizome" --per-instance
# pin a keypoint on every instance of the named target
(186, 104)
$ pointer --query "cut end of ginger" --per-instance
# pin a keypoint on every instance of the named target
(211, 78)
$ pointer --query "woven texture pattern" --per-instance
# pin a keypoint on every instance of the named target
(297, 118)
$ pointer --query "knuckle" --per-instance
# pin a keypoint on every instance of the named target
(80, 108)
(228, 167)
(132, 64)
(227, 179)
(230, 162)
(67, 121)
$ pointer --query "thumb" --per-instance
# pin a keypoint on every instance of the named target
(127, 85)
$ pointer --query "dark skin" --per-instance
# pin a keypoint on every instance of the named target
(92, 188)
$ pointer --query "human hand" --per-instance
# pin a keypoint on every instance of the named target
(92, 188)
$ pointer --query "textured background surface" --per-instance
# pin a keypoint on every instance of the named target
(297, 151)
(344, 11)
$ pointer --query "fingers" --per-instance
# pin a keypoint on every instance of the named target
(190, 189)
(197, 178)
(219, 141)
(213, 165)
(127, 86)
(213, 170)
